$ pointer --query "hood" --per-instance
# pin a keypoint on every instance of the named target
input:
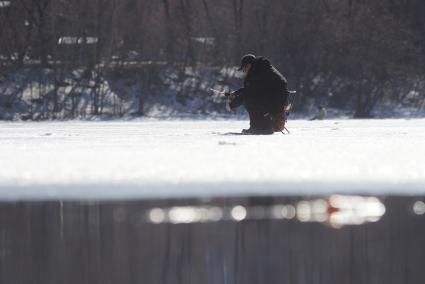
(262, 63)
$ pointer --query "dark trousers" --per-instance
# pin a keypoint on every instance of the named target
(259, 120)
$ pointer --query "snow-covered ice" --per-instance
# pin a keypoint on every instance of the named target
(193, 158)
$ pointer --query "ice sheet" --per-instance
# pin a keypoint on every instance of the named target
(195, 158)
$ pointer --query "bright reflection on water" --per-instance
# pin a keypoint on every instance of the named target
(336, 211)
(419, 208)
(238, 213)
(354, 210)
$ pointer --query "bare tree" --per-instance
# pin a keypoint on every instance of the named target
(238, 10)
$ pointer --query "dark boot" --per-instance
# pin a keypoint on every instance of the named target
(252, 131)
(260, 123)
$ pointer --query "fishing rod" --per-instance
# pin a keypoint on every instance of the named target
(217, 92)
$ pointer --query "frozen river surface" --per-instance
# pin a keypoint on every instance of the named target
(156, 159)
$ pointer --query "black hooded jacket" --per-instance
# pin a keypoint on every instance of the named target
(265, 89)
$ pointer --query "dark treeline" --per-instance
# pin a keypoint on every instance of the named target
(348, 54)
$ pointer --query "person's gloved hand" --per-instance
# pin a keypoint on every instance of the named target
(228, 107)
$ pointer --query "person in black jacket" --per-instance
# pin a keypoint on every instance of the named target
(264, 94)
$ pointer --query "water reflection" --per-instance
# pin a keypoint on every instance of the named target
(283, 212)
(354, 210)
(337, 211)
(238, 213)
(157, 215)
(419, 208)
(246, 240)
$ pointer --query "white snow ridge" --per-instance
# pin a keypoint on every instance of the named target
(162, 159)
